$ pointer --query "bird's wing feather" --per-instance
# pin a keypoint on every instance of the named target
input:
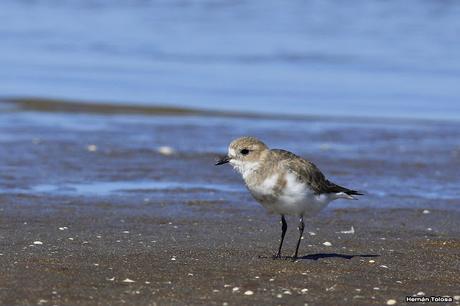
(309, 173)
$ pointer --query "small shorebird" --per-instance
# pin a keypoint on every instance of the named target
(283, 182)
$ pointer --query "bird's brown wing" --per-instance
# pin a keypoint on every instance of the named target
(307, 172)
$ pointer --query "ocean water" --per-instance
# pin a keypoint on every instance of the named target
(362, 58)
(73, 157)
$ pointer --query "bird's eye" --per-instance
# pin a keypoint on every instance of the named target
(244, 151)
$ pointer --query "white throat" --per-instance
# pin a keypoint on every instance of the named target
(245, 168)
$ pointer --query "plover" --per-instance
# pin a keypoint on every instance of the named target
(283, 182)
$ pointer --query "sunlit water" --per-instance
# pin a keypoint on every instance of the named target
(373, 58)
(396, 164)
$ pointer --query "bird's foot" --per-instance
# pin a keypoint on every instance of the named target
(276, 256)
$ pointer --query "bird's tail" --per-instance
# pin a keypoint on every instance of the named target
(351, 192)
(344, 193)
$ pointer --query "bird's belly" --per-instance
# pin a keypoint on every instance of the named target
(307, 204)
(295, 199)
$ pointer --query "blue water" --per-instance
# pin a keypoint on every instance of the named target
(411, 164)
(371, 58)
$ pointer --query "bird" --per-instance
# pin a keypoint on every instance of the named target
(283, 183)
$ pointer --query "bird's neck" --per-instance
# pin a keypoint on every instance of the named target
(247, 169)
(251, 170)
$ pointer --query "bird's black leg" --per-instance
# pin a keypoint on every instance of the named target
(283, 233)
(301, 228)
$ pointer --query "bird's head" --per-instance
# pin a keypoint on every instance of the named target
(244, 153)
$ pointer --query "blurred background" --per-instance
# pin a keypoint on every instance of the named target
(364, 58)
(339, 66)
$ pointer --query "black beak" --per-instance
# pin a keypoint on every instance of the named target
(222, 161)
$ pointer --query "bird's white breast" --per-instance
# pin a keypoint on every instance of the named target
(293, 197)
(265, 188)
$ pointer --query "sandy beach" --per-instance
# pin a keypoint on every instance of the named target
(92, 212)
(114, 254)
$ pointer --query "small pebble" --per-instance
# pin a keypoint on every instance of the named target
(383, 266)
(38, 242)
(279, 295)
(327, 243)
(127, 280)
(331, 288)
(235, 289)
(421, 293)
(248, 292)
(287, 292)
(305, 290)
(371, 261)
(426, 211)
(350, 231)
(165, 150)
(457, 297)
(391, 302)
(173, 258)
(91, 148)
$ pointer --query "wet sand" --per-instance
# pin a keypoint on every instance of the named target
(93, 213)
(88, 255)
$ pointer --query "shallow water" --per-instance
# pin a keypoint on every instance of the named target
(371, 58)
(107, 188)
(397, 163)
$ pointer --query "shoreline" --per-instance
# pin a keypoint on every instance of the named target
(57, 105)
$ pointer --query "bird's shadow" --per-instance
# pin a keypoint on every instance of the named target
(324, 255)
(335, 255)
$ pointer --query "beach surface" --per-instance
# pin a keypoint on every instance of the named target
(98, 207)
